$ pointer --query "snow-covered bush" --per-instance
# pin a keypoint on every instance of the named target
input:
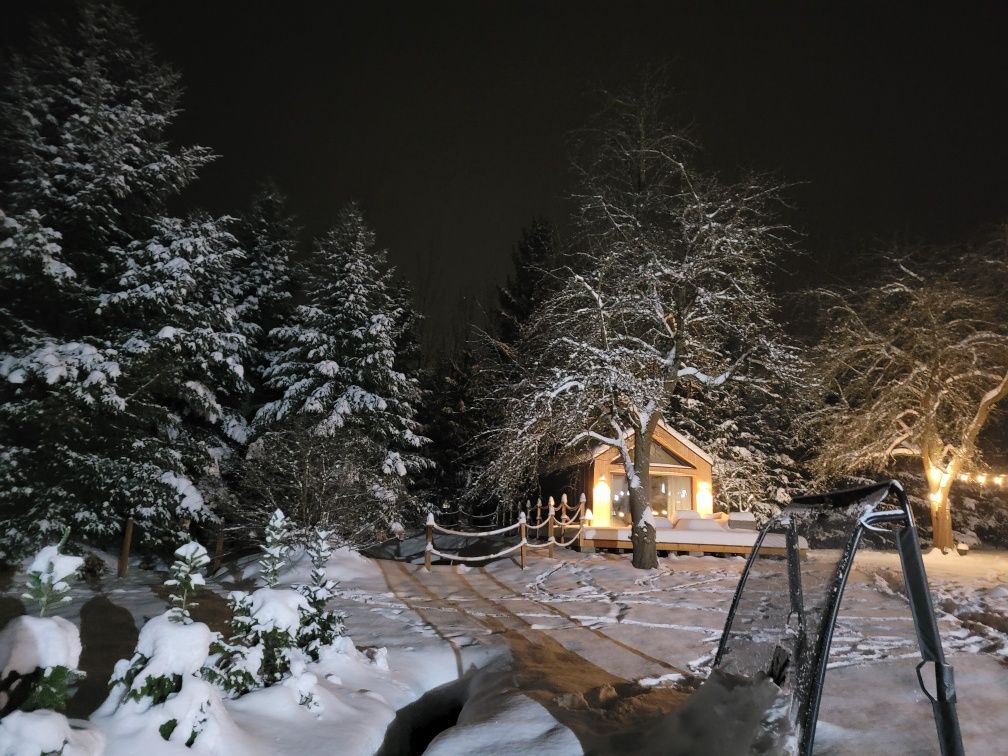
(39, 655)
(162, 677)
(234, 665)
(186, 578)
(319, 626)
(275, 549)
(163, 674)
(48, 574)
(276, 632)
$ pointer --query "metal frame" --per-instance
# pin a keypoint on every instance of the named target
(943, 703)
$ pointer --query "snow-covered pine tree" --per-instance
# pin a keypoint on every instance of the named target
(338, 366)
(265, 280)
(275, 549)
(88, 428)
(84, 112)
(186, 578)
(182, 366)
(320, 626)
(266, 626)
(39, 654)
(164, 673)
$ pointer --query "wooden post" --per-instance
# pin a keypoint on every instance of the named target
(126, 546)
(521, 536)
(582, 501)
(538, 512)
(551, 528)
(218, 556)
(430, 540)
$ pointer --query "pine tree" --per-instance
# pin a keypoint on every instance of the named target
(186, 579)
(41, 653)
(320, 626)
(275, 549)
(91, 427)
(264, 281)
(339, 368)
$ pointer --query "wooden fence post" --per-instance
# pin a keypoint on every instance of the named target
(521, 536)
(551, 528)
(582, 502)
(126, 546)
(218, 556)
(538, 512)
(430, 541)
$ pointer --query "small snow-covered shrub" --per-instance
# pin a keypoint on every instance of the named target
(163, 674)
(320, 626)
(24, 733)
(39, 655)
(234, 665)
(48, 575)
(162, 678)
(276, 548)
(277, 631)
(187, 578)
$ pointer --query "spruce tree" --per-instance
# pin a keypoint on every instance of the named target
(265, 279)
(338, 367)
(120, 364)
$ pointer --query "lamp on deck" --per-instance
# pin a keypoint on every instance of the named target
(602, 504)
(704, 499)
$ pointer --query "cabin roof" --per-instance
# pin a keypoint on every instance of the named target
(602, 448)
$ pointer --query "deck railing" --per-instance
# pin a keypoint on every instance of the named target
(545, 530)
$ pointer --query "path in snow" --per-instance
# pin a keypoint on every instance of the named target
(604, 647)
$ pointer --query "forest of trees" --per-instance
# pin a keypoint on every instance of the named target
(199, 372)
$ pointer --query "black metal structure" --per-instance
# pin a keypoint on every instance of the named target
(778, 630)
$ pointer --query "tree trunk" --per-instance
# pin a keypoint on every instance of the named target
(939, 482)
(941, 525)
(645, 556)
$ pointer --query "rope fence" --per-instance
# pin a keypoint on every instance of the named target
(551, 522)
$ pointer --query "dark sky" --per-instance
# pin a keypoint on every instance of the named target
(447, 121)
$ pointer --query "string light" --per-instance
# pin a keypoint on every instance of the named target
(982, 478)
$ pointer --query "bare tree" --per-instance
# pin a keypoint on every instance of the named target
(666, 288)
(913, 367)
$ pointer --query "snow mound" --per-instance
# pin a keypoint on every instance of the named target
(171, 648)
(55, 567)
(30, 643)
(278, 609)
(29, 733)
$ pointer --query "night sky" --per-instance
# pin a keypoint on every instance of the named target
(448, 121)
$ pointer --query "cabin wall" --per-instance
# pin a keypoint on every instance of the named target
(701, 472)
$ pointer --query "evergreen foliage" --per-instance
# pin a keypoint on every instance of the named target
(338, 367)
(319, 626)
(121, 364)
(186, 579)
(48, 576)
(275, 548)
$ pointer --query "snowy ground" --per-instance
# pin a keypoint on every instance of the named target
(601, 647)
(577, 650)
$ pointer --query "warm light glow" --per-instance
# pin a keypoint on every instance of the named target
(999, 480)
(981, 479)
(935, 497)
(602, 504)
(964, 478)
(704, 499)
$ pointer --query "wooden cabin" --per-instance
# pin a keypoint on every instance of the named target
(680, 477)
